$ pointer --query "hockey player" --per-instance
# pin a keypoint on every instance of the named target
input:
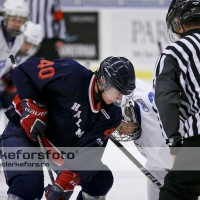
(32, 34)
(82, 112)
(15, 14)
(143, 128)
(32, 39)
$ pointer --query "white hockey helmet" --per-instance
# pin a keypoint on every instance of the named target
(17, 8)
(32, 33)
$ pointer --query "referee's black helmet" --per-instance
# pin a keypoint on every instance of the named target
(181, 11)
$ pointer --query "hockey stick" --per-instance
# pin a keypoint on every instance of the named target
(13, 61)
(138, 164)
(38, 136)
(45, 159)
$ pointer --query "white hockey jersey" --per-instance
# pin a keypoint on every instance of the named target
(151, 144)
(6, 49)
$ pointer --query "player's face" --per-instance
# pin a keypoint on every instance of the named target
(126, 128)
(111, 96)
(15, 22)
(26, 47)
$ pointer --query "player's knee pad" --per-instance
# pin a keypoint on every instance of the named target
(27, 187)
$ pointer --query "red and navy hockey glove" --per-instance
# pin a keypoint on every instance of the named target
(63, 187)
(33, 117)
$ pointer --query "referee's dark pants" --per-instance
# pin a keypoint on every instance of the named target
(47, 49)
(183, 181)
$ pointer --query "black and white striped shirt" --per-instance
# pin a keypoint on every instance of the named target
(48, 14)
(176, 86)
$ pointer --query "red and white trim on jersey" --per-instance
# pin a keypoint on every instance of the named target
(52, 150)
(17, 105)
(94, 107)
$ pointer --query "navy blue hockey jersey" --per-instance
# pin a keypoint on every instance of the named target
(67, 87)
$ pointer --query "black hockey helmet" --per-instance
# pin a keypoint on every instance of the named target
(118, 73)
(181, 11)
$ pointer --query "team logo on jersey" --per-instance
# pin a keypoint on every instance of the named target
(76, 107)
(143, 105)
(151, 97)
(79, 133)
(99, 142)
(2, 64)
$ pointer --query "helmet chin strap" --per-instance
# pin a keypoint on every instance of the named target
(98, 95)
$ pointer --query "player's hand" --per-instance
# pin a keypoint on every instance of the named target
(33, 117)
(8, 82)
(63, 187)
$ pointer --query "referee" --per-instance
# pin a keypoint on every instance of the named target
(177, 100)
(48, 14)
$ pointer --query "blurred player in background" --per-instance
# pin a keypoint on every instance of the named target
(32, 39)
(15, 14)
(49, 15)
(141, 125)
(81, 113)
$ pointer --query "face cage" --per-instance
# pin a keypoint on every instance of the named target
(124, 137)
(172, 35)
(128, 124)
(11, 32)
(124, 101)
(171, 29)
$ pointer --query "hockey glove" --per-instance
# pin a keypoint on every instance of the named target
(8, 82)
(33, 117)
(63, 187)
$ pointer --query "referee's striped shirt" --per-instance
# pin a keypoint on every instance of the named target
(176, 86)
(48, 14)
